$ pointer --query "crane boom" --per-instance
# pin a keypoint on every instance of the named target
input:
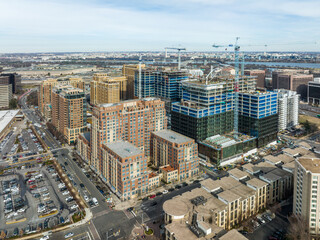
(179, 57)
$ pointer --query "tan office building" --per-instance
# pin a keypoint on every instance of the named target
(105, 89)
(306, 197)
(45, 90)
(69, 112)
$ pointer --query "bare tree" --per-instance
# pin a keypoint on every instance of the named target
(298, 228)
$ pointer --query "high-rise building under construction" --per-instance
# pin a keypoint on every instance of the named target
(206, 109)
(164, 83)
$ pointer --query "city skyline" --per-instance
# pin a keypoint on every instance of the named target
(140, 25)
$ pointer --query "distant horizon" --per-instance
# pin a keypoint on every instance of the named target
(171, 52)
(37, 26)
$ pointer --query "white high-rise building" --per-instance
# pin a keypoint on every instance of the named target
(306, 196)
(288, 108)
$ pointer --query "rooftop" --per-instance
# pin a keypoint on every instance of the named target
(237, 173)
(172, 136)
(175, 207)
(290, 166)
(152, 174)
(266, 167)
(270, 177)
(222, 141)
(167, 168)
(233, 235)
(310, 164)
(256, 183)
(296, 151)
(228, 196)
(123, 149)
(5, 118)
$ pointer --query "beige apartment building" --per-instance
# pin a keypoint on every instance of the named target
(5, 95)
(131, 120)
(174, 149)
(69, 112)
(45, 90)
(129, 71)
(199, 214)
(306, 196)
(125, 169)
(106, 89)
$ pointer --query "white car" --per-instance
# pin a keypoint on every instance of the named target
(75, 206)
(65, 192)
(69, 235)
(45, 194)
(44, 238)
(86, 198)
(165, 192)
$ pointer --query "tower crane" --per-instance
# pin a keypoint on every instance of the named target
(179, 57)
(236, 82)
(236, 48)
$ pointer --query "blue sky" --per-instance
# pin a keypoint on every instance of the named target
(145, 25)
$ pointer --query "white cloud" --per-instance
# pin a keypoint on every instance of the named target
(150, 25)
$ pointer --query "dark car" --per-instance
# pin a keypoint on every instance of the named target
(177, 187)
(61, 220)
(153, 203)
(171, 189)
(130, 209)
(185, 184)
(81, 185)
(15, 232)
(196, 181)
(45, 224)
(65, 163)
(158, 193)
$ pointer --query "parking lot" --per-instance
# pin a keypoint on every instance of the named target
(34, 198)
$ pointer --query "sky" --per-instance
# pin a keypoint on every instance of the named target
(152, 25)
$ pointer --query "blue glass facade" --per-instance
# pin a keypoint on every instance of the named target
(258, 105)
(163, 84)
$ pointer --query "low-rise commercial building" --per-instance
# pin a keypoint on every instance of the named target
(169, 174)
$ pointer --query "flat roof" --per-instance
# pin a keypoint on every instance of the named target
(167, 168)
(123, 148)
(225, 183)
(295, 151)
(266, 167)
(172, 136)
(175, 207)
(243, 191)
(270, 177)
(251, 168)
(310, 164)
(290, 166)
(305, 144)
(233, 235)
(229, 196)
(5, 118)
(257, 183)
(237, 173)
